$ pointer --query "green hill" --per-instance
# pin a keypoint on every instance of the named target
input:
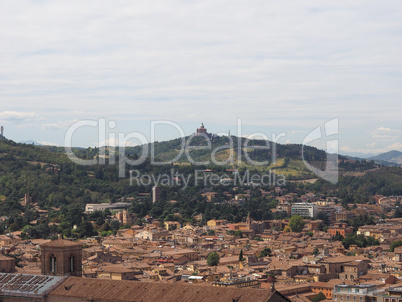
(63, 188)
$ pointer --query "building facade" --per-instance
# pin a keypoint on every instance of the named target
(156, 194)
(304, 209)
(92, 207)
(61, 258)
(354, 293)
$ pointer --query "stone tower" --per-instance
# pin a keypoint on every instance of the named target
(248, 222)
(61, 258)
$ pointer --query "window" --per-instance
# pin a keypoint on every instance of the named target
(356, 290)
(349, 289)
(71, 263)
(52, 263)
(347, 298)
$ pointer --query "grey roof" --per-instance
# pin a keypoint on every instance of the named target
(27, 285)
(355, 285)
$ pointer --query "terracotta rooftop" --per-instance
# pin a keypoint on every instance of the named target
(113, 290)
(61, 242)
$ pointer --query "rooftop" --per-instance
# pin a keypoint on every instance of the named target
(61, 242)
(98, 289)
(356, 285)
(27, 285)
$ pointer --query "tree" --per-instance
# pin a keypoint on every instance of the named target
(213, 259)
(315, 252)
(239, 233)
(337, 237)
(296, 223)
(324, 217)
(265, 252)
(211, 233)
(241, 255)
(395, 244)
(359, 240)
(319, 297)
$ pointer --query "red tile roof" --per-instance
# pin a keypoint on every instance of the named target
(113, 290)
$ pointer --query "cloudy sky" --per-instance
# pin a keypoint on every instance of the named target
(279, 66)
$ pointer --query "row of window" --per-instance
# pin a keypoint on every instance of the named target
(53, 263)
(340, 297)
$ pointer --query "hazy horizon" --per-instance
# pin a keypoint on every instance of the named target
(282, 67)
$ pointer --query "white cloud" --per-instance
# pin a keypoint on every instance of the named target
(58, 125)
(49, 143)
(16, 116)
(386, 134)
(272, 63)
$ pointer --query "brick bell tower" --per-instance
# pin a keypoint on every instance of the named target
(61, 258)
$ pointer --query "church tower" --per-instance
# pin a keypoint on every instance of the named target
(248, 222)
(61, 258)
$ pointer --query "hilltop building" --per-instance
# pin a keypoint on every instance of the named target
(201, 131)
(2, 131)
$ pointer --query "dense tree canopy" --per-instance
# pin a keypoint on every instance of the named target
(296, 223)
(213, 259)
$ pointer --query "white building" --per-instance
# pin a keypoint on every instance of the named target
(305, 209)
(92, 207)
(354, 293)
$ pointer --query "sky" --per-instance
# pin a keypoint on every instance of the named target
(277, 66)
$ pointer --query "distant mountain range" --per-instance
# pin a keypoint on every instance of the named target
(358, 154)
(393, 156)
